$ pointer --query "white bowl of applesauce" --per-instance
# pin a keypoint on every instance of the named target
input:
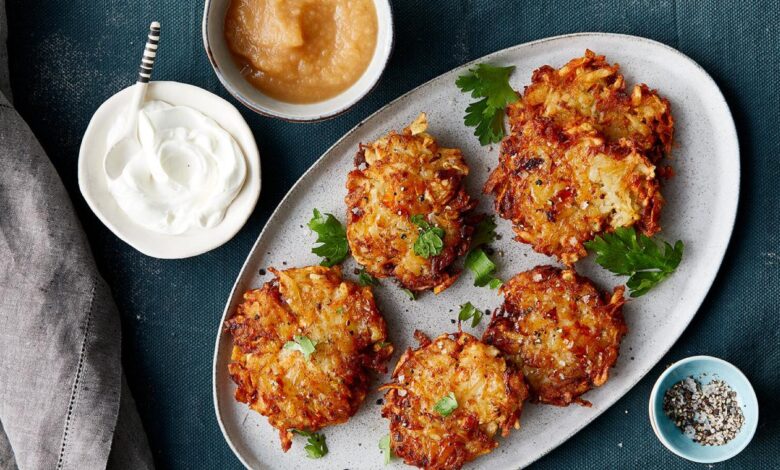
(298, 60)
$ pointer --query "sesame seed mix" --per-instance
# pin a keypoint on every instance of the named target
(709, 414)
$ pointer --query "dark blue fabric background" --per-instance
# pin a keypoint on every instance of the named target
(68, 56)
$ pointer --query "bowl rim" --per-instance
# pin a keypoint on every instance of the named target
(750, 429)
(263, 111)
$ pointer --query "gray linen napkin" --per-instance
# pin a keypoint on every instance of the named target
(64, 403)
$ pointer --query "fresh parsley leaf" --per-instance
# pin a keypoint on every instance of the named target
(491, 84)
(468, 311)
(629, 253)
(489, 122)
(340, 310)
(446, 405)
(484, 232)
(409, 294)
(332, 237)
(315, 447)
(304, 344)
(365, 279)
(478, 263)
(384, 446)
(430, 240)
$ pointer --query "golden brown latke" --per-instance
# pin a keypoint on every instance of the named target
(588, 89)
(561, 330)
(489, 394)
(281, 384)
(397, 177)
(562, 188)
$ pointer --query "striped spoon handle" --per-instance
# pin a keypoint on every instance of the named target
(150, 53)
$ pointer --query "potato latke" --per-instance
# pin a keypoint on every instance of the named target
(291, 390)
(396, 178)
(488, 391)
(562, 188)
(561, 330)
(588, 89)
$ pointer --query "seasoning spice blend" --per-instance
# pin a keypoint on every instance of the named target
(707, 413)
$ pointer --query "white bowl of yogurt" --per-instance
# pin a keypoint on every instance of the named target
(194, 182)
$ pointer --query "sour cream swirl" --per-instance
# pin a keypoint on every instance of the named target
(185, 176)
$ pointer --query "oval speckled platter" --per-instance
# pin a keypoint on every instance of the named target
(701, 207)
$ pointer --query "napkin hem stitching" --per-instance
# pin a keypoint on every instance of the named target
(74, 391)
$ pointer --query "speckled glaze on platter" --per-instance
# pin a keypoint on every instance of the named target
(701, 208)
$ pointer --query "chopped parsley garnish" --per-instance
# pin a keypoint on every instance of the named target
(304, 344)
(468, 311)
(365, 279)
(430, 240)
(446, 405)
(409, 294)
(332, 237)
(316, 447)
(384, 446)
(478, 263)
(490, 85)
(628, 253)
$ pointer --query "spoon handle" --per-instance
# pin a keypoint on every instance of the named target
(144, 76)
(150, 53)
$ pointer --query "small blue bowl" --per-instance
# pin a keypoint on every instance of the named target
(704, 369)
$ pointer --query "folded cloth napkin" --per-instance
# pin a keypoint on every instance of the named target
(64, 402)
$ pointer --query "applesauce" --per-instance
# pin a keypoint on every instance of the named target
(302, 51)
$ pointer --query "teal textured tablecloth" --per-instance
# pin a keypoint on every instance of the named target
(68, 56)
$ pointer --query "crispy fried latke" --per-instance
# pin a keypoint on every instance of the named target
(561, 330)
(282, 384)
(489, 394)
(562, 188)
(397, 177)
(588, 89)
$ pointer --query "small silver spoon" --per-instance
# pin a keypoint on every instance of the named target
(126, 144)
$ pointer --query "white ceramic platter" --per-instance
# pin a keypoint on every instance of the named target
(701, 207)
(94, 187)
